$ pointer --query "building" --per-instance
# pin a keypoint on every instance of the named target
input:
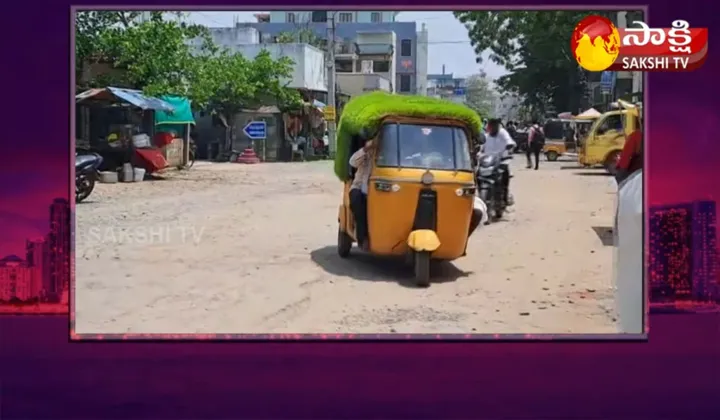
(58, 243)
(320, 16)
(507, 107)
(388, 42)
(18, 281)
(37, 257)
(683, 254)
(309, 73)
(422, 61)
(447, 86)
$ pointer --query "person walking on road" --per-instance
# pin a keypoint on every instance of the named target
(360, 160)
(536, 142)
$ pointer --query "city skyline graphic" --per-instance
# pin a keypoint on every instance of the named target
(42, 275)
(682, 259)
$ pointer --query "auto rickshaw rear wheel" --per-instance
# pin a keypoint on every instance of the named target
(422, 269)
(551, 156)
(344, 244)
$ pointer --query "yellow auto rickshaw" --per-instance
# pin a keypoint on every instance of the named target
(556, 138)
(606, 137)
(421, 185)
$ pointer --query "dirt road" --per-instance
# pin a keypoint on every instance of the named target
(230, 248)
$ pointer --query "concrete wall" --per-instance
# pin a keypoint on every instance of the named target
(421, 58)
(309, 71)
(304, 17)
(355, 84)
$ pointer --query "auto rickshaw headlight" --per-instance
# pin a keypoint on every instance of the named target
(427, 178)
(459, 192)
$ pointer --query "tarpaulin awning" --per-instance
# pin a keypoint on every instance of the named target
(133, 97)
(589, 114)
(181, 113)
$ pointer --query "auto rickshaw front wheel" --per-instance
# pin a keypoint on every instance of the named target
(551, 156)
(344, 244)
(422, 269)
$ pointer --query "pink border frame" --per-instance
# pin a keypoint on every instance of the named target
(341, 337)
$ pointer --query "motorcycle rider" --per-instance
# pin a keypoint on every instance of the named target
(499, 141)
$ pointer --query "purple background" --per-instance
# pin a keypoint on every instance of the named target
(673, 375)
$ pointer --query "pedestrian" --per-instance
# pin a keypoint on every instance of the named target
(536, 142)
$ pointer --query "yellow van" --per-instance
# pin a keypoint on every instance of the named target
(606, 138)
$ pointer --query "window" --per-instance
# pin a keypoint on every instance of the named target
(319, 16)
(611, 122)
(404, 83)
(375, 17)
(406, 47)
(417, 146)
(345, 17)
(290, 17)
(381, 66)
(344, 66)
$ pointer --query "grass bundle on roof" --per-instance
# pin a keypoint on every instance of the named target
(367, 112)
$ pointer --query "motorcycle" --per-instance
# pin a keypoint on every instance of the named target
(491, 170)
(86, 174)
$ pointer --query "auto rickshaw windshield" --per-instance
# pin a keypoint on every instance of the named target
(424, 147)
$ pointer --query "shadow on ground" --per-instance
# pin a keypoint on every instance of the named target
(592, 173)
(605, 234)
(363, 266)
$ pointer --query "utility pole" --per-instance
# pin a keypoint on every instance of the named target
(332, 137)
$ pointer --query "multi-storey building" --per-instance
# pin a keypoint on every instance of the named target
(683, 254)
(18, 281)
(371, 37)
(447, 86)
(37, 258)
(58, 241)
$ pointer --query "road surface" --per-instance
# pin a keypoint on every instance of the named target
(231, 248)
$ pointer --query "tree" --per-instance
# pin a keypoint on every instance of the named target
(151, 53)
(534, 46)
(480, 96)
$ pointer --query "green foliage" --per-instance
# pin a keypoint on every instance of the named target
(479, 96)
(535, 47)
(157, 56)
(366, 112)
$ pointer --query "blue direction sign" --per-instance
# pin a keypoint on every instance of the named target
(607, 81)
(256, 130)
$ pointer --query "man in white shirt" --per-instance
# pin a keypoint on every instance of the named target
(499, 141)
(360, 160)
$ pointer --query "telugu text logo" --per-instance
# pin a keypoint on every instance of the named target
(598, 46)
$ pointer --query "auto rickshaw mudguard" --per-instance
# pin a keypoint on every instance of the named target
(423, 240)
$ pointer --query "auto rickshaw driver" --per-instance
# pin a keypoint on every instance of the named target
(361, 162)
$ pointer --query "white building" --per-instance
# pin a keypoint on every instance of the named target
(422, 61)
(343, 16)
(309, 71)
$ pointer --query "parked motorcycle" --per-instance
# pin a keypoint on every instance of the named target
(492, 168)
(86, 174)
